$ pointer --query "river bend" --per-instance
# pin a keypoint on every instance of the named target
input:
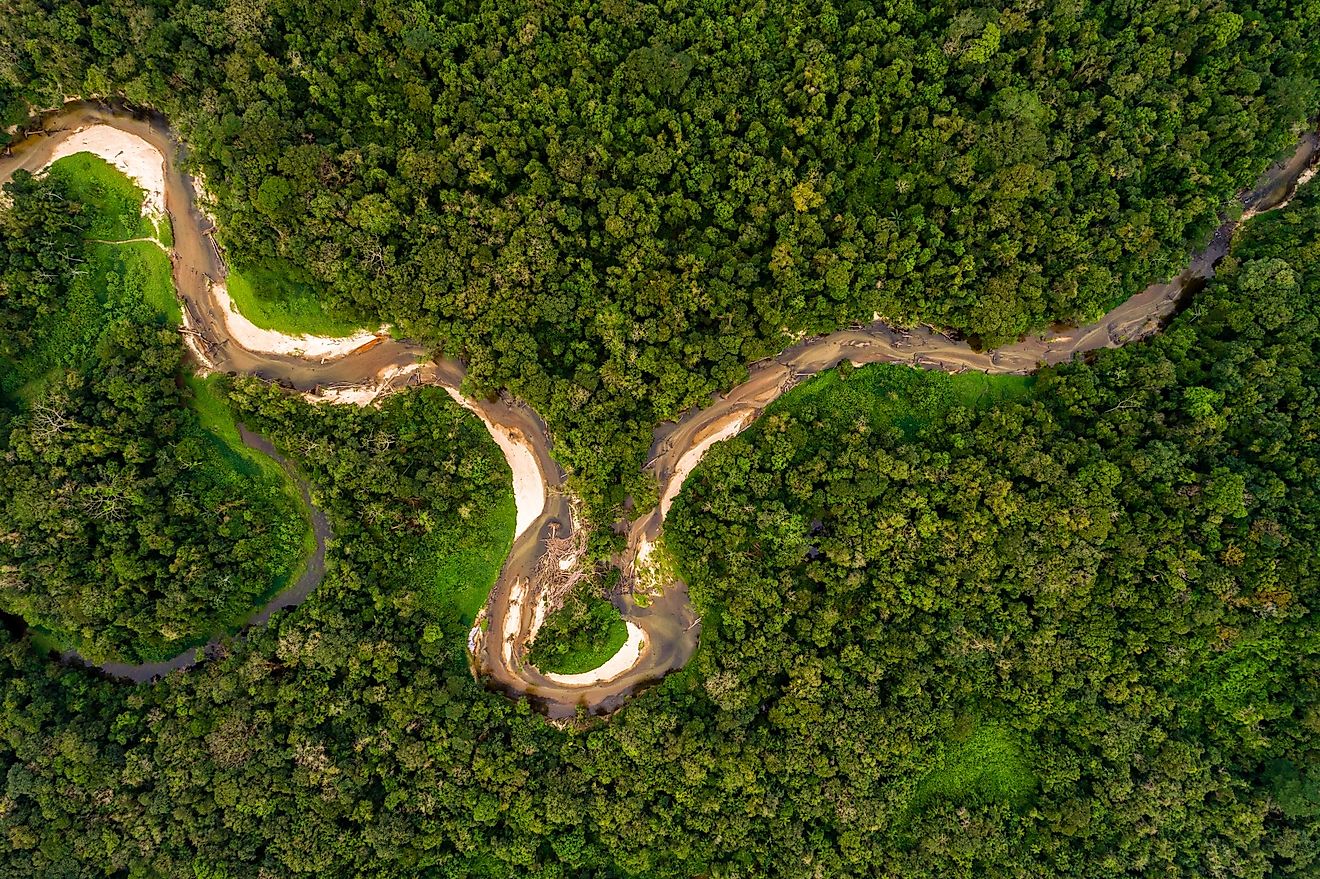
(667, 625)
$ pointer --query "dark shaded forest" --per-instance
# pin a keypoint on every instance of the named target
(1065, 634)
(612, 208)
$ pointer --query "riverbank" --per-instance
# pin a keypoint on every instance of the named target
(669, 627)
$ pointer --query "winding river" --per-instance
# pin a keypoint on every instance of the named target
(664, 629)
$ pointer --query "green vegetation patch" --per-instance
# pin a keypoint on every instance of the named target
(110, 199)
(277, 295)
(892, 394)
(467, 556)
(580, 636)
(247, 472)
(216, 419)
(981, 764)
(128, 281)
(118, 282)
(143, 525)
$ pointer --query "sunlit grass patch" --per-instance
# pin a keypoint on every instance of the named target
(113, 201)
(276, 295)
(892, 394)
(469, 554)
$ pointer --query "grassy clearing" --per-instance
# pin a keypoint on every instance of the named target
(468, 556)
(982, 763)
(113, 201)
(906, 398)
(276, 295)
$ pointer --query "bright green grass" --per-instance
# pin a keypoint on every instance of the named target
(584, 659)
(907, 398)
(469, 555)
(987, 765)
(142, 269)
(113, 201)
(165, 231)
(276, 295)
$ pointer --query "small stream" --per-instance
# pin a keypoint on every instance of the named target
(313, 571)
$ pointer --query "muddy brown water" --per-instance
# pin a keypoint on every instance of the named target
(670, 626)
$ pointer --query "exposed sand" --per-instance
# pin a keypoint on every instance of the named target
(648, 577)
(692, 457)
(1306, 177)
(644, 549)
(355, 395)
(528, 481)
(145, 165)
(626, 658)
(513, 620)
(254, 338)
(539, 614)
(139, 160)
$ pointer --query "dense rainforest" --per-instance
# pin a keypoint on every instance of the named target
(612, 207)
(129, 528)
(1057, 630)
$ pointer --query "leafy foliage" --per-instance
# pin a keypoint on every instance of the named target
(416, 486)
(579, 636)
(611, 208)
(129, 532)
(129, 528)
(984, 767)
(1034, 639)
(1115, 575)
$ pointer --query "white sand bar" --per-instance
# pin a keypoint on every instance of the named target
(139, 160)
(513, 620)
(626, 658)
(692, 457)
(528, 481)
(254, 338)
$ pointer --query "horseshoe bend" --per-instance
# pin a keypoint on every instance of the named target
(549, 549)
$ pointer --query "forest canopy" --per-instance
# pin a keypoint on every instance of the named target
(129, 529)
(952, 626)
(612, 208)
(1065, 630)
